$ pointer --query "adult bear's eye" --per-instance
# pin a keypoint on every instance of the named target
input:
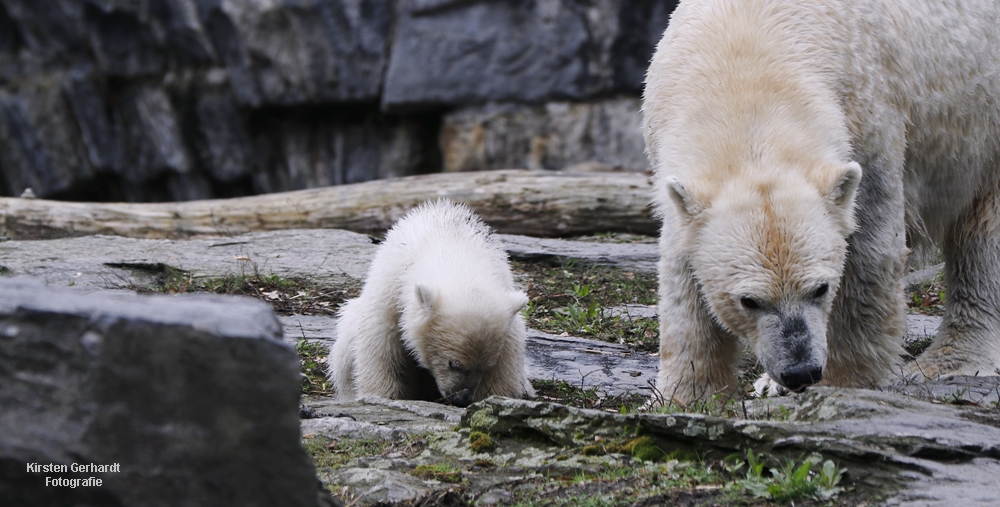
(749, 303)
(821, 291)
(455, 365)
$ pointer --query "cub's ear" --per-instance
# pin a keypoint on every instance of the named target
(840, 197)
(426, 297)
(686, 204)
(517, 301)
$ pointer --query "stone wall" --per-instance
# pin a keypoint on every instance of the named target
(146, 100)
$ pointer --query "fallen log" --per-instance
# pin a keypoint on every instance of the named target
(532, 203)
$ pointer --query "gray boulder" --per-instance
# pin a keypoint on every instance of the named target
(114, 100)
(558, 135)
(448, 52)
(312, 51)
(191, 401)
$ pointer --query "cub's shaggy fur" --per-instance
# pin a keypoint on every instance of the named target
(438, 318)
(798, 145)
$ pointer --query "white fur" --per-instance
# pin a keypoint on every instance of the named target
(439, 294)
(759, 117)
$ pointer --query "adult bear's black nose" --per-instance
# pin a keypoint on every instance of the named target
(799, 377)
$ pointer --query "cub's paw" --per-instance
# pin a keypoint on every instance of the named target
(765, 387)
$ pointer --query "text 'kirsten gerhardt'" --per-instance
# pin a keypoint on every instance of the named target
(74, 467)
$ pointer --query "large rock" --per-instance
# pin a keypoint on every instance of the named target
(39, 146)
(911, 451)
(78, 137)
(302, 51)
(557, 135)
(192, 401)
(152, 101)
(298, 150)
(280, 52)
(109, 100)
(448, 52)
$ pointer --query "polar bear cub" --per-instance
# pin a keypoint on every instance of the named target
(801, 148)
(438, 318)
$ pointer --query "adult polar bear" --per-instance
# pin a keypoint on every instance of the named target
(796, 144)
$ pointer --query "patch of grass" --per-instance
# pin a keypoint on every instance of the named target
(668, 482)
(443, 472)
(730, 406)
(918, 347)
(311, 360)
(927, 298)
(563, 392)
(573, 299)
(334, 453)
(791, 481)
(287, 296)
(330, 453)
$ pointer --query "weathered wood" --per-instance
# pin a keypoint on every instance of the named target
(533, 203)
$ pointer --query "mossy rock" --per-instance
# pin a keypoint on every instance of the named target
(644, 449)
(481, 442)
(441, 472)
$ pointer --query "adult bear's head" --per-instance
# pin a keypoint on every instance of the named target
(767, 246)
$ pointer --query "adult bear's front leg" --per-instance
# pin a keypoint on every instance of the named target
(698, 359)
(864, 336)
(968, 341)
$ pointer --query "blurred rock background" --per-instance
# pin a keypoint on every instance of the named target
(154, 100)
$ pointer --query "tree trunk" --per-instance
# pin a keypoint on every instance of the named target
(533, 203)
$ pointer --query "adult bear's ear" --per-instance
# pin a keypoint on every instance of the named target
(841, 195)
(686, 204)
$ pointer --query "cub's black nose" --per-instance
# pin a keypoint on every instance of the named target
(461, 398)
(800, 377)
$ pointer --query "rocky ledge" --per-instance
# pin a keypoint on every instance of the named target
(895, 449)
(182, 388)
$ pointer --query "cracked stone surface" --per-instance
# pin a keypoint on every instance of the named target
(910, 451)
(101, 262)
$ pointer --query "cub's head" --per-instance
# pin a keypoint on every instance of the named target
(462, 341)
(768, 253)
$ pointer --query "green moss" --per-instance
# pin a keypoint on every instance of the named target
(594, 450)
(481, 442)
(483, 420)
(645, 449)
(440, 472)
